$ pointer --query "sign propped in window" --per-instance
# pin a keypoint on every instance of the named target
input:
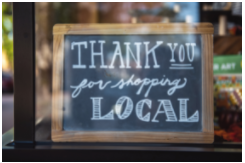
(133, 83)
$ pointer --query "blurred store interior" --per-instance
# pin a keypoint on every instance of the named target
(226, 18)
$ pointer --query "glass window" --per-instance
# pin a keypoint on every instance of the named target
(226, 18)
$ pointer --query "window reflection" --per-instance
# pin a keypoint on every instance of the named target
(48, 14)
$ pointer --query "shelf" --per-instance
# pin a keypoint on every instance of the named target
(213, 16)
(50, 151)
(219, 12)
(227, 44)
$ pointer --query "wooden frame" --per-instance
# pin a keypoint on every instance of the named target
(206, 31)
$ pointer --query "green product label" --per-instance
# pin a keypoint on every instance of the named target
(229, 64)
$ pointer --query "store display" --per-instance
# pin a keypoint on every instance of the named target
(228, 98)
(114, 81)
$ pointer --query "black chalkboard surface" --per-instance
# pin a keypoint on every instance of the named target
(133, 83)
(171, 86)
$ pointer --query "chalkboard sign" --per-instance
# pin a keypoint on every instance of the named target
(133, 83)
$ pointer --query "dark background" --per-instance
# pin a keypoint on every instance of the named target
(78, 111)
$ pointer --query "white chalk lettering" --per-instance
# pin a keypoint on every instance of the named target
(172, 50)
(139, 110)
(97, 110)
(117, 52)
(151, 51)
(168, 110)
(165, 106)
(79, 53)
(181, 51)
(86, 84)
(97, 53)
(175, 84)
(128, 109)
(193, 52)
(129, 51)
(183, 112)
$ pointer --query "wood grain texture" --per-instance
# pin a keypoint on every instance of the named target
(227, 45)
(126, 29)
(158, 137)
(206, 136)
(207, 75)
(57, 103)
